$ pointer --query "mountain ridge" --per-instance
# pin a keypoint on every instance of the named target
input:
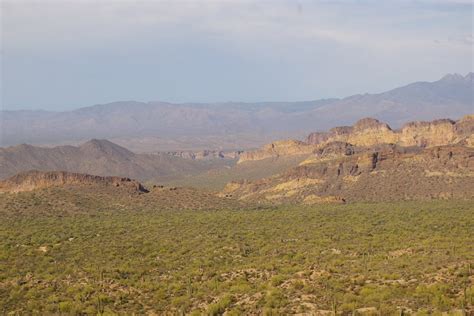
(34, 179)
(143, 126)
(96, 157)
(371, 132)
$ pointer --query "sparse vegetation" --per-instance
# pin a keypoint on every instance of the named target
(88, 252)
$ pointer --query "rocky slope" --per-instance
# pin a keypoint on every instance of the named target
(340, 172)
(372, 132)
(33, 180)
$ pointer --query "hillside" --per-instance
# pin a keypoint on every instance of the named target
(143, 127)
(340, 172)
(100, 157)
(74, 250)
(205, 169)
(368, 161)
(450, 97)
(35, 180)
(216, 178)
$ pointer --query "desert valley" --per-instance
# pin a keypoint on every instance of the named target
(200, 157)
(356, 220)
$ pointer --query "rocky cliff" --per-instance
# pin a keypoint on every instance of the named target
(341, 172)
(277, 149)
(32, 180)
(371, 132)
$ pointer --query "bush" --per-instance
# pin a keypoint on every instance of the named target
(219, 307)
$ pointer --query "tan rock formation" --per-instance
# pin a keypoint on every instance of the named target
(428, 134)
(369, 132)
(278, 148)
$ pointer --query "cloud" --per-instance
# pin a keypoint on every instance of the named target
(264, 50)
(54, 25)
(71, 27)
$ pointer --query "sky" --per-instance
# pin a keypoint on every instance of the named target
(61, 55)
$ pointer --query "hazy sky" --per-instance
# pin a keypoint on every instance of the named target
(61, 55)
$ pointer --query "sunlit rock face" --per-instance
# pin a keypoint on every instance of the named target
(372, 132)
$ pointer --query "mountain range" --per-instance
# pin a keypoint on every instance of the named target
(368, 161)
(161, 126)
(213, 170)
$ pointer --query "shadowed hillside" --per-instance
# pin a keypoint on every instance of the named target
(35, 180)
(100, 157)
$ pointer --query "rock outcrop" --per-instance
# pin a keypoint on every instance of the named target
(369, 132)
(33, 180)
(277, 149)
(428, 134)
(206, 154)
(343, 172)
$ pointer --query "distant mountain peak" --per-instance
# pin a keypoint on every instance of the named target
(454, 77)
(469, 76)
(106, 147)
(99, 142)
